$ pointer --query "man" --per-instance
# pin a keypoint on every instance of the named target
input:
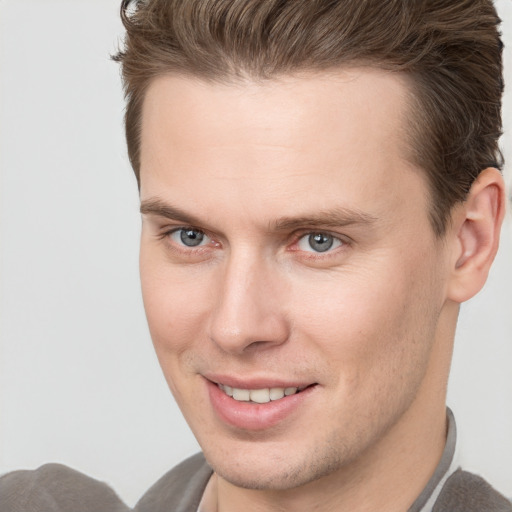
(320, 191)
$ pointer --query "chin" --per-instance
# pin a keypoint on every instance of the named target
(279, 479)
(267, 469)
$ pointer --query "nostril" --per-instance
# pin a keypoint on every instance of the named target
(256, 344)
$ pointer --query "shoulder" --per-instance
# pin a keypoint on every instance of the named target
(56, 488)
(466, 492)
(180, 489)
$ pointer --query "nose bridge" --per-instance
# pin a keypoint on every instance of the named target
(246, 309)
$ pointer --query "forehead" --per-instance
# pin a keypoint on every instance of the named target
(336, 136)
(350, 105)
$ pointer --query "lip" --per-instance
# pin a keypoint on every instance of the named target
(255, 382)
(251, 416)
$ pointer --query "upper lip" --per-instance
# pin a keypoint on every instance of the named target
(257, 382)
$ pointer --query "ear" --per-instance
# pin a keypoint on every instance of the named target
(476, 230)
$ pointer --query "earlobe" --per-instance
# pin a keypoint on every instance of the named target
(477, 224)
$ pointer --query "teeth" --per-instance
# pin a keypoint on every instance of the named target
(276, 393)
(259, 396)
(242, 395)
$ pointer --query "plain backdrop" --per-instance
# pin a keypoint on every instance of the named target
(79, 383)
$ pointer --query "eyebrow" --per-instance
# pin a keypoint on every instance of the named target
(336, 217)
(158, 207)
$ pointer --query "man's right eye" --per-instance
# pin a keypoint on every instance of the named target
(189, 237)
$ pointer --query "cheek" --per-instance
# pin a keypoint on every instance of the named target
(372, 326)
(175, 304)
(174, 307)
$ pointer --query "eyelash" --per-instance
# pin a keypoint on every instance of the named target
(183, 249)
(293, 247)
(312, 256)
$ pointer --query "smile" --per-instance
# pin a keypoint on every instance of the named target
(252, 406)
(258, 396)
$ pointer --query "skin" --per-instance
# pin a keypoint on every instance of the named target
(257, 167)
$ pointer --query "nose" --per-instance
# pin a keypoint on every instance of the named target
(248, 308)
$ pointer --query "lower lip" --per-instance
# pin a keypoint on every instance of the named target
(252, 416)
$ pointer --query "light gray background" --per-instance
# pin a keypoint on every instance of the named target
(79, 383)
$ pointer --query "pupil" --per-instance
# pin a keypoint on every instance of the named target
(320, 242)
(191, 237)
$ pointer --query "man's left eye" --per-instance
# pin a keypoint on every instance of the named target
(318, 242)
(190, 237)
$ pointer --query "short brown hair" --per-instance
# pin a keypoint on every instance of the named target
(451, 50)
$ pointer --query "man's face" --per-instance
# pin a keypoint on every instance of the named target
(286, 244)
